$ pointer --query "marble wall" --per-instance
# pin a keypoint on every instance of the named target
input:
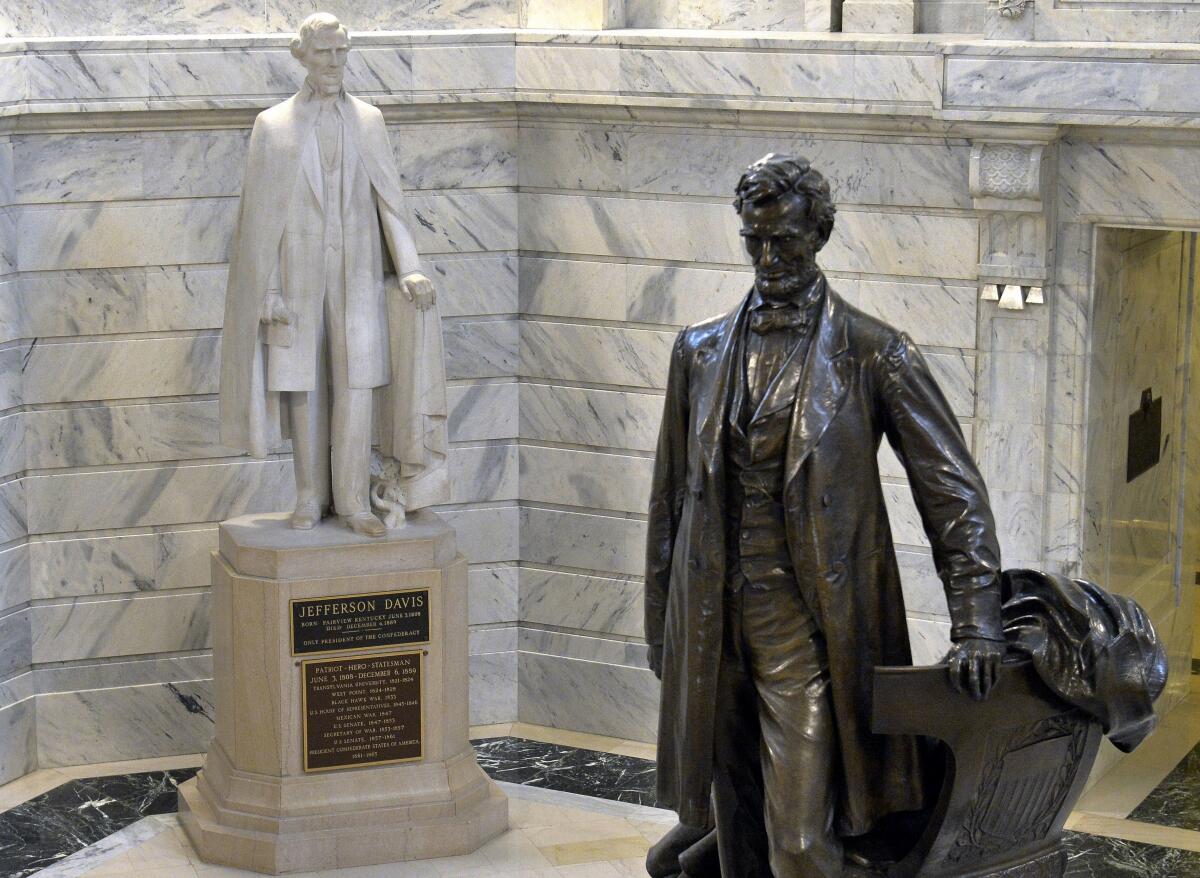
(626, 234)
(115, 474)
(68, 18)
(572, 196)
(722, 14)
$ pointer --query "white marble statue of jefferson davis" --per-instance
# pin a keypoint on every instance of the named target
(315, 340)
(772, 590)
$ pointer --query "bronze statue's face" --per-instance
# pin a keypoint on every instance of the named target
(324, 57)
(782, 243)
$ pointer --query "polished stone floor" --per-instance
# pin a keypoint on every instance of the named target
(580, 809)
(1175, 801)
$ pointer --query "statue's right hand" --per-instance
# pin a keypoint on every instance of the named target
(274, 310)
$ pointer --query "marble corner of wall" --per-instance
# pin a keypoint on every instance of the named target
(478, 349)
(464, 154)
(18, 740)
(12, 444)
(463, 221)
(608, 544)
(622, 701)
(590, 480)
(483, 284)
(486, 535)
(484, 473)
(583, 602)
(493, 688)
(483, 411)
(14, 510)
(15, 643)
(493, 595)
(14, 576)
(580, 416)
(491, 639)
(130, 722)
(615, 355)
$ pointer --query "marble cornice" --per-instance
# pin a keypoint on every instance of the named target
(925, 83)
(195, 119)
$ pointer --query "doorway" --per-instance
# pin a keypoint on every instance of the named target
(1142, 482)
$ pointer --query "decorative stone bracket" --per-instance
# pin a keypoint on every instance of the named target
(1009, 20)
(1009, 183)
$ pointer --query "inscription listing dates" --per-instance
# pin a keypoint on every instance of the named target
(364, 711)
(360, 621)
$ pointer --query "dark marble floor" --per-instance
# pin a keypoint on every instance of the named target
(43, 830)
(568, 769)
(1175, 801)
(56, 824)
(1090, 856)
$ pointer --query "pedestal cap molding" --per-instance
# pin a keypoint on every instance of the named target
(266, 546)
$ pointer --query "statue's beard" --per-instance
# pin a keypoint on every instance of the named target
(788, 286)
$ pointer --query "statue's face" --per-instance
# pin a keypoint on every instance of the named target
(782, 243)
(325, 60)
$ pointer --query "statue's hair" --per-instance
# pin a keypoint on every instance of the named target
(313, 25)
(774, 176)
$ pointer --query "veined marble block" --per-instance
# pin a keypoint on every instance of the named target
(18, 740)
(622, 701)
(251, 16)
(572, 14)
(261, 801)
(879, 16)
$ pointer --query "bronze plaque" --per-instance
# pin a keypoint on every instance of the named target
(360, 621)
(362, 711)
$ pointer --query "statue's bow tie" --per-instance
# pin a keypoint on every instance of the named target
(764, 320)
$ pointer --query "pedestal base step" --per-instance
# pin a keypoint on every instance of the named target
(278, 854)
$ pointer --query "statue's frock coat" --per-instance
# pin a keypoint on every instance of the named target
(861, 380)
(280, 215)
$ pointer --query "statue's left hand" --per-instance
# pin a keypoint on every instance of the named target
(419, 290)
(974, 664)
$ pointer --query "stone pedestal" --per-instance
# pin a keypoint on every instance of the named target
(267, 798)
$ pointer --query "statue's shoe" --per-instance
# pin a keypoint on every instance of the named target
(307, 515)
(365, 523)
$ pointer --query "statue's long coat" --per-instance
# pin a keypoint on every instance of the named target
(862, 380)
(383, 328)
